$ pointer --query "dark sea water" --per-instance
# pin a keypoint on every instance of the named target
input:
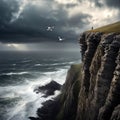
(22, 72)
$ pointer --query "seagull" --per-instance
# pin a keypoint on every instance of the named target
(50, 28)
(60, 39)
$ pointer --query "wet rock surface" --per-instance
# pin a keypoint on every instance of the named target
(48, 89)
(48, 111)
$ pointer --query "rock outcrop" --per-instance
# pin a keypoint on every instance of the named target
(48, 111)
(92, 89)
(48, 89)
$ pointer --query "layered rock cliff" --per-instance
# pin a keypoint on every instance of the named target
(99, 82)
(92, 89)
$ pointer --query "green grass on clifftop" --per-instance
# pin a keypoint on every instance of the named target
(115, 27)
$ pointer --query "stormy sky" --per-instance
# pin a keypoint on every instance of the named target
(24, 23)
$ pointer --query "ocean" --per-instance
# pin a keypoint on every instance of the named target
(22, 72)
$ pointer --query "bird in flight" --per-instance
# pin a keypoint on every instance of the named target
(50, 28)
(60, 39)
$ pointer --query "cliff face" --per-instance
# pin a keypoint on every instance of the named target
(69, 94)
(99, 85)
(92, 89)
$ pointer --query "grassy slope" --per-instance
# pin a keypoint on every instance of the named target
(115, 27)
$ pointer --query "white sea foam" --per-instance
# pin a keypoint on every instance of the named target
(14, 64)
(15, 73)
(29, 101)
(26, 61)
(54, 64)
(37, 64)
(64, 63)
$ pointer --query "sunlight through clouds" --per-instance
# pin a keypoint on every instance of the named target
(20, 47)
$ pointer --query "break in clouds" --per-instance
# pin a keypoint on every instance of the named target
(28, 21)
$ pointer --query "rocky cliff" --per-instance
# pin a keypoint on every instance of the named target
(97, 94)
(92, 89)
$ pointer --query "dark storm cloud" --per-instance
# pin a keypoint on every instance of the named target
(98, 3)
(113, 3)
(6, 10)
(71, 5)
(109, 3)
(32, 24)
(20, 23)
(79, 19)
